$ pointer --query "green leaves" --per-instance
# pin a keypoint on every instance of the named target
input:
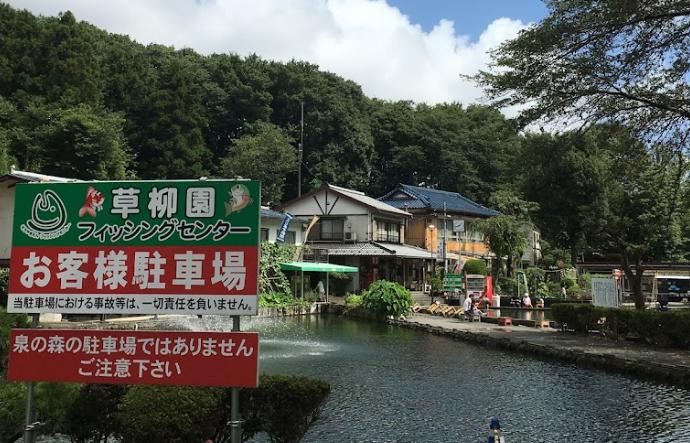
(271, 277)
(387, 298)
(267, 154)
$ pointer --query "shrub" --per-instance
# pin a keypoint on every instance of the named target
(507, 285)
(475, 266)
(535, 280)
(4, 282)
(284, 407)
(277, 299)
(91, 418)
(271, 277)
(387, 298)
(53, 400)
(157, 414)
(353, 301)
(7, 322)
(12, 402)
(665, 329)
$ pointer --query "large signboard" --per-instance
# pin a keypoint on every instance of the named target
(136, 247)
(135, 357)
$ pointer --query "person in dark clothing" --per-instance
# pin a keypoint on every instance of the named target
(495, 433)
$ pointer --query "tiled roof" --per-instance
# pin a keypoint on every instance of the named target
(433, 199)
(366, 200)
(270, 213)
(375, 249)
(25, 176)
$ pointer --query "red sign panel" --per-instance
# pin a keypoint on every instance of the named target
(135, 357)
(225, 274)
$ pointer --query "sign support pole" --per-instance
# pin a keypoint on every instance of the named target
(235, 419)
(30, 414)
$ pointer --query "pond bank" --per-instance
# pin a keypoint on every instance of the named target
(665, 365)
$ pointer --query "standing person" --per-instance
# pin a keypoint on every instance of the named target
(526, 301)
(495, 431)
(321, 290)
(467, 305)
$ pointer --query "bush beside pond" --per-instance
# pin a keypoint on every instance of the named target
(387, 298)
(666, 329)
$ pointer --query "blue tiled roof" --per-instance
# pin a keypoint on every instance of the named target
(433, 199)
(270, 213)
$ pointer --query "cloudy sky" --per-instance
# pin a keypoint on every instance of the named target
(396, 49)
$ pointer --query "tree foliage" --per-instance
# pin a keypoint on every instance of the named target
(593, 61)
(271, 277)
(505, 235)
(158, 414)
(267, 153)
(91, 418)
(282, 406)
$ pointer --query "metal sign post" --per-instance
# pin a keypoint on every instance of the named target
(235, 419)
(30, 417)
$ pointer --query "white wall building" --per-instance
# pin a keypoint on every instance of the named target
(360, 231)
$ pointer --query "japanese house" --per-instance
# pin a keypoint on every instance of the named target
(442, 218)
(273, 222)
(357, 230)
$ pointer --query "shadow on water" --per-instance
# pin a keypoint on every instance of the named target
(396, 385)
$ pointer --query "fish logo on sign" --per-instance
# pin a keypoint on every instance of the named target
(48, 217)
(240, 198)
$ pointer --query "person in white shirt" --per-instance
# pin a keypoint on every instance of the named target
(467, 305)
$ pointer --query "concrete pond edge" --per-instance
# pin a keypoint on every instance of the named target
(670, 374)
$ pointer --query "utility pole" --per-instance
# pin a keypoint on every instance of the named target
(300, 151)
(445, 223)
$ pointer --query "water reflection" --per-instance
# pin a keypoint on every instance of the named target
(397, 385)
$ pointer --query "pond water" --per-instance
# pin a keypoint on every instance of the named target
(391, 384)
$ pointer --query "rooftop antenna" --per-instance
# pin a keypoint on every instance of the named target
(300, 151)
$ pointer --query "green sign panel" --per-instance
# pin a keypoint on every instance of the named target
(452, 282)
(136, 247)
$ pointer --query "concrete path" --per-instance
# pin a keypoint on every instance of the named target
(668, 365)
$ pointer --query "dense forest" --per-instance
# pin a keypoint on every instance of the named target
(76, 101)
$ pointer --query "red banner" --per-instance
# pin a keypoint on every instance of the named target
(134, 279)
(227, 359)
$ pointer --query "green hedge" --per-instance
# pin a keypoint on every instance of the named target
(665, 329)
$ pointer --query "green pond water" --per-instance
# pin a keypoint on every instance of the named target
(392, 384)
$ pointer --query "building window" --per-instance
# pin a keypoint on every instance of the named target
(388, 232)
(330, 229)
(290, 237)
(264, 234)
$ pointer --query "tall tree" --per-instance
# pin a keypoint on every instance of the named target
(566, 176)
(170, 143)
(641, 215)
(266, 154)
(506, 237)
(616, 61)
(83, 143)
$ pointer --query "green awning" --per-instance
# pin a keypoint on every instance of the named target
(316, 267)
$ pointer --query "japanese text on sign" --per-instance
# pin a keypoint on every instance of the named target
(138, 357)
(77, 243)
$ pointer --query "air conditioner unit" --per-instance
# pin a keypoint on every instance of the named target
(351, 236)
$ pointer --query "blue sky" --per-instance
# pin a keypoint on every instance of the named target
(470, 16)
(395, 49)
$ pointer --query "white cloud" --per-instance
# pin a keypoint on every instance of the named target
(368, 41)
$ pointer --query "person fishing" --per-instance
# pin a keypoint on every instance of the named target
(495, 431)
